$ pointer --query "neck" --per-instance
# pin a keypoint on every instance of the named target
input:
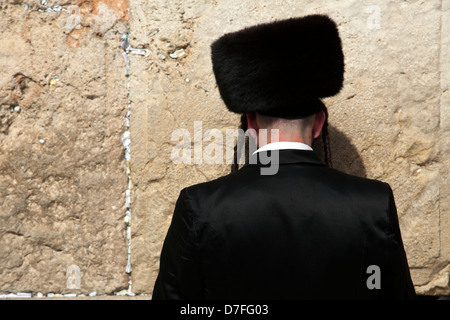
(264, 138)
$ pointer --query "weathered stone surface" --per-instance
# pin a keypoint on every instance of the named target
(387, 123)
(63, 102)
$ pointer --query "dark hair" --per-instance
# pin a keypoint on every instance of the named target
(326, 138)
(242, 141)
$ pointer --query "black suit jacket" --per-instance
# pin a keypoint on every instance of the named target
(307, 232)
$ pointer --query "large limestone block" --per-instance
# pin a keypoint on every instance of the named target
(387, 123)
(62, 173)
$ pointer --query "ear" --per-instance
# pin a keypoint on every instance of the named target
(252, 123)
(319, 120)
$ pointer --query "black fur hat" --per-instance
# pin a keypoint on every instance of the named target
(280, 69)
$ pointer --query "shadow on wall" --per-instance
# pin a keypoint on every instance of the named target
(344, 154)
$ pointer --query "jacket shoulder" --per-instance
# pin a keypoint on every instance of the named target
(319, 183)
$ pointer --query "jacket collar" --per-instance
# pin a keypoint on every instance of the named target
(286, 156)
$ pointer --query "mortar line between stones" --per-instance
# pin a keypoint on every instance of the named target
(440, 62)
(126, 139)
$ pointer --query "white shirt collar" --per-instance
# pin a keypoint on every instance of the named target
(282, 145)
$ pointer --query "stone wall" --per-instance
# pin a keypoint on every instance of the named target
(64, 99)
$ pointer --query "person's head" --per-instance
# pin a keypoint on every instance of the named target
(303, 130)
(281, 70)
